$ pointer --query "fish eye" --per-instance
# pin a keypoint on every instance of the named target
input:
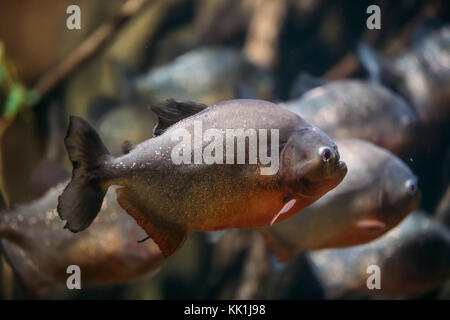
(411, 186)
(326, 154)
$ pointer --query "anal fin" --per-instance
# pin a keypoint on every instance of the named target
(280, 251)
(168, 236)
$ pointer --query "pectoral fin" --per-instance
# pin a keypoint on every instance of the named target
(371, 223)
(287, 206)
(168, 236)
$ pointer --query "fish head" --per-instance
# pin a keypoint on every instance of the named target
(399, 194)
(310, 163)
(405, 127)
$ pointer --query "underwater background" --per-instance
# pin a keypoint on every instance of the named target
(132, 54)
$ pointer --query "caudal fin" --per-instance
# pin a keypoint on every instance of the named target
(380, 68)
(81, 200)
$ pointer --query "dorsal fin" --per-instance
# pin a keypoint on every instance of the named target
(127, 146)
(171, 111)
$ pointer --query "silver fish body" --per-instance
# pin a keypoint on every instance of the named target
(207, 75)
(413, 258)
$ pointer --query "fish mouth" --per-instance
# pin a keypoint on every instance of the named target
(341, 166)
(334, 176)
(341, 169)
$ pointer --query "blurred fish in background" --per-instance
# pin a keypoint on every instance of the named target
(353, 108)
(40, 250)
(414, 258)
(421, 74)
(197, 76)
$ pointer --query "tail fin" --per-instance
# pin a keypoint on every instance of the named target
(381, 69)
(371, 60)
(81, 200)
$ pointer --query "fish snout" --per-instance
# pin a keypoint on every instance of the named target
(342, 168)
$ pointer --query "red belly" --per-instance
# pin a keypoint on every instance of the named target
(256, 212)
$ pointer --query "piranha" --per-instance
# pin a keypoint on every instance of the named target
(420, 74)
(209, 75)
(40, 250)
(413, 258)
(377, 193)
(358, 109)
(170, 199)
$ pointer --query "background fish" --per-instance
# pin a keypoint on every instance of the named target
(207, 75)
(376, 194)
(170, 200)
(40, 250)
(421, 74)
(414, 258)
(359, 109)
